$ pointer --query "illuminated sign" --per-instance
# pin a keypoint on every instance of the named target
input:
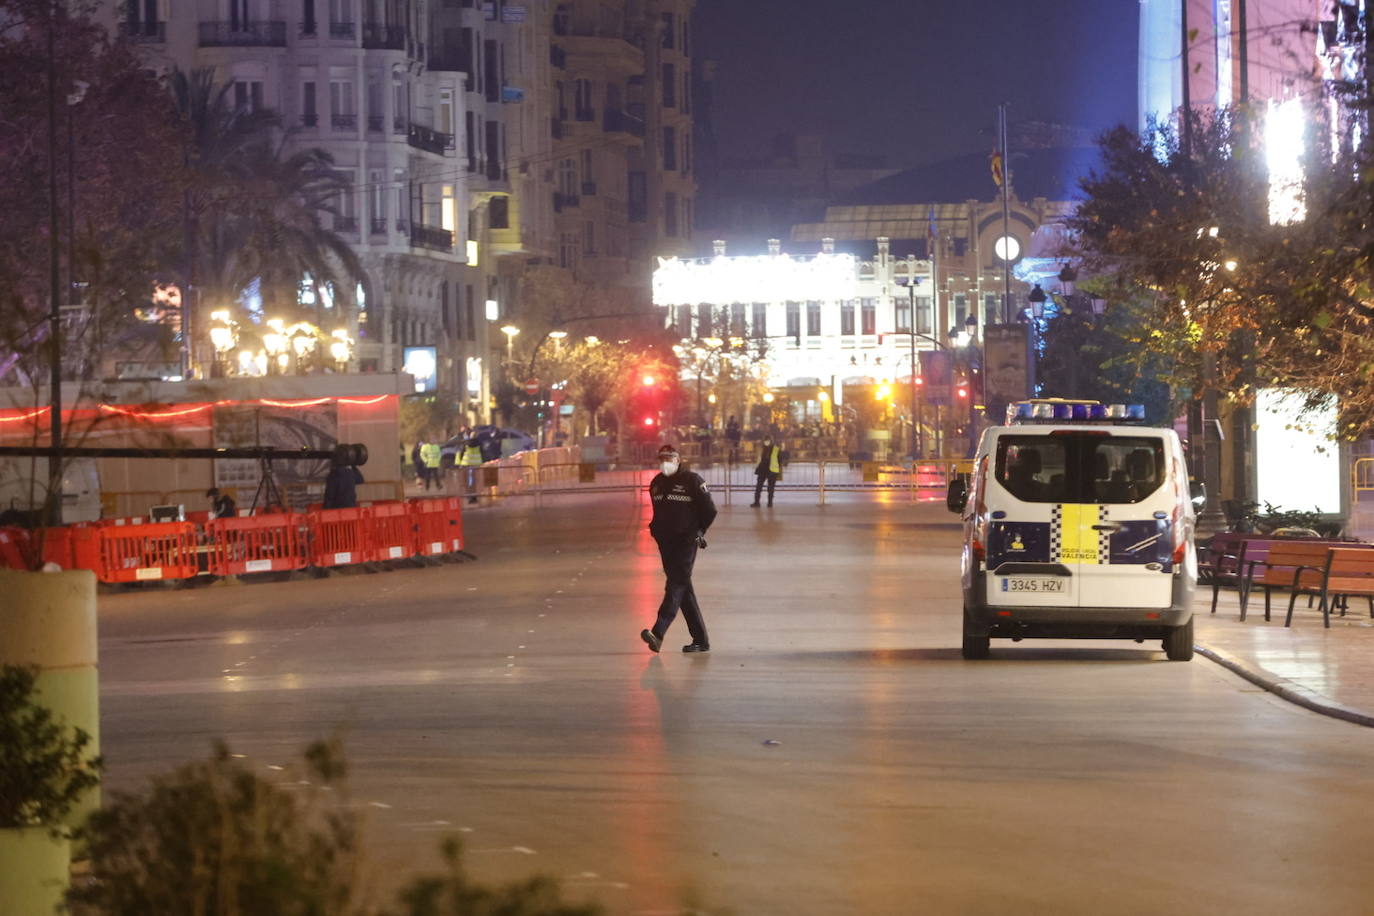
(423, 364)
(1007, 248)
(761, 278)
(1296, 457)
(474, 375)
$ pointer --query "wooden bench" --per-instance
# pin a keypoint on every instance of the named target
(1295, 565)
(1222, 562)
(1349, 571)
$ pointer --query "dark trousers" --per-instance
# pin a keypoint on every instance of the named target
(772, 482)
(679, 555)
(432, 478)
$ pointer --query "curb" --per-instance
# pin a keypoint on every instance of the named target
(1286, 689)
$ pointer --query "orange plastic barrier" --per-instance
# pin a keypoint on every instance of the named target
(438, 525)
(392, 531)
(338, 536)
(139, 553)
(255, 543)
(14, 542)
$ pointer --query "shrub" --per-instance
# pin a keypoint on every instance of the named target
(43, 765)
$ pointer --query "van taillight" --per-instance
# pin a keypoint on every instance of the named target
(1179, 549)
(978, 552)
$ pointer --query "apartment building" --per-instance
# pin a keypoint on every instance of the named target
(411, 100)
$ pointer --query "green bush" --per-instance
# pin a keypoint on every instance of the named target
(215, 839)
(43, 765)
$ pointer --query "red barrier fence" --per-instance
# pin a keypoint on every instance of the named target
(256, 543)
(135, 550)
(438, 525)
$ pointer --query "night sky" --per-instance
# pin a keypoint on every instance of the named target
(914, 80)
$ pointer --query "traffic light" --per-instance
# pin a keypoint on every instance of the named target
(648, 381)
(649, 422)
(961, 392)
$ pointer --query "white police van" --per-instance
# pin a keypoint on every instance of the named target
(1078, 523)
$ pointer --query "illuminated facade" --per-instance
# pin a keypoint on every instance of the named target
(826, 320)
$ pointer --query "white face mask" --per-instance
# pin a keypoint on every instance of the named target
(669, 468)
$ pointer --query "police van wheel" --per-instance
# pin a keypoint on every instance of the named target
(1178, 643)
(976, 647)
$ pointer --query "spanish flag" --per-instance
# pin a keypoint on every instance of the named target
(995, 161)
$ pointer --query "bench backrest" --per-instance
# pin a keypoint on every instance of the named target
(1299, 553)
(1351, 563)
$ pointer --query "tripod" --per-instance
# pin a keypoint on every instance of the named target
(267, 489)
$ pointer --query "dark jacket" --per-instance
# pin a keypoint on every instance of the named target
(682, 505)
(765, 459)
(341, 487)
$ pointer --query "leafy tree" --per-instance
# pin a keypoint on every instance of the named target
(1229, 300)
(44, 765)
(117, 156)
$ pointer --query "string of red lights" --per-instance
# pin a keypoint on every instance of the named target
(146, 414)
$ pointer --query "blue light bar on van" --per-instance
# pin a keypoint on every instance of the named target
(1058, 410)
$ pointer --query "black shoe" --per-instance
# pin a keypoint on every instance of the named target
(770, 504)
(753, 505)
(652, 641)
(696, 647)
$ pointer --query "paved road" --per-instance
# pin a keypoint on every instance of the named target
(512, 699)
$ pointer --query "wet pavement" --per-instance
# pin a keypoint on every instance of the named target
(832, 754)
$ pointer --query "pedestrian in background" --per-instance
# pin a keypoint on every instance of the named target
(418, 462)
(471, 460)
(732, 435)
(222, 505)
(432, 455)
(769, 469)
(683, 510)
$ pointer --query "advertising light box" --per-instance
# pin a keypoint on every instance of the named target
(423, 364)
(1296, 456)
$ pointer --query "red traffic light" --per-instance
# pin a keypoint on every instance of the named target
(920, 381)
(649, 421)
(648, 381)
(962, 391)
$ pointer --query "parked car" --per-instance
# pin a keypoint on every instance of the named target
(494, 441)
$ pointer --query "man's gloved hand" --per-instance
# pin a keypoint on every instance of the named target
(701, 540)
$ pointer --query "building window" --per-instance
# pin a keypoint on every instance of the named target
(960, 309)
(341, 112)
(470, 309)
(669, 86)
(582, 101)
(669, 35)
(705, 326)
(248, 95)
(902, 309)
(687, 93)
(498, 214)
(989, 308)
(670, 149)
(847, 317)
(737, 319)
(637, 194)
(813, 318)
(688, 217)
(309, 113)
(758, 324)
(923, 314)
(589, 238)
(682, 320)
(960, 247)
(868, 316)
(794, 320)
(686, 153)
(670, 222)
(686, 37)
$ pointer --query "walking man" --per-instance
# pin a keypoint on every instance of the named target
(683, 510)
(471, 461)
(769, 468)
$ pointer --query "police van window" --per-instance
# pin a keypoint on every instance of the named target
(1086, 468)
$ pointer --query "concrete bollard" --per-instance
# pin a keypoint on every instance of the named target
(48, 622)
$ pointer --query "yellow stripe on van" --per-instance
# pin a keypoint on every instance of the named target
(1077, 538)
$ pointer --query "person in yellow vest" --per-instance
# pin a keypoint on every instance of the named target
(431, 455)
(769, 469)
(472, 460)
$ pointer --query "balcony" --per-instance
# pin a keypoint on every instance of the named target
(563, 201)
(343, 30)
(622, 122)
(344, 121)
(429, 139)
(347, 224)
(378, 226)
(584, 114)
(243, 34)
(431, 237)
(310, 119)
(376, 124)
(144, 32)
(379, 37)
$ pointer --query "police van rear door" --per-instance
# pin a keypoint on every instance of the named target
(1028, 563)
(1124, 527)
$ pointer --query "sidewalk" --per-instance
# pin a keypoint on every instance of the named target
(1327, 671)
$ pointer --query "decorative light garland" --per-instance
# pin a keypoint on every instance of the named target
(199, 408)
